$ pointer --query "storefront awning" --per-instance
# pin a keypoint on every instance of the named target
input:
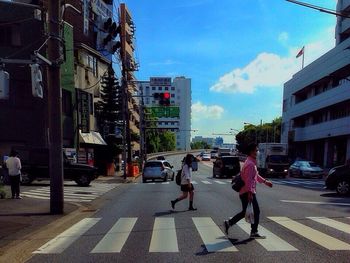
(92, 138)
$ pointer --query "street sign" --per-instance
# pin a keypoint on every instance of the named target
(165, 112)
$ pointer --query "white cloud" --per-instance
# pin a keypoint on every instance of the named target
(201, 111)
(167, 62)
(283, 37)
(272, 70)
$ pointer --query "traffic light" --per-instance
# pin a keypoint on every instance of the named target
(164, 99)
(37, 81)
(4, 84)
(107, 32)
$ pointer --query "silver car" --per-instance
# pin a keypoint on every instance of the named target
(305, 169)
(158, 169)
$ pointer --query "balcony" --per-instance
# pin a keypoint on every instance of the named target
(323, 130)
(325, 99)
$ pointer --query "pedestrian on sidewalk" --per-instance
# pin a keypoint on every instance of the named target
(13, 164)
(250, 176)
(186, 183)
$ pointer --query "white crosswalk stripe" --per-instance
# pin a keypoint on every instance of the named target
(206, 182)
(116, 237)
(219, 182)
(332, 223)
(316, 236)
(64, 240)
(272, 242)
(73, 193)
(164, 235)
(213, 238)
(194, 182)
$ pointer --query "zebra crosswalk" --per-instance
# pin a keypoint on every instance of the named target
(164, 235)
(73, 193)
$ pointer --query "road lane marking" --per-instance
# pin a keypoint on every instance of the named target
(314, 203)
(164, 237)
(65, 239)
(206, 182)
(272, 242)
(213, 238)
(218, 182)
(116, 237)
(318, 237)
(332, 223)
(194, 182)
(165, 182)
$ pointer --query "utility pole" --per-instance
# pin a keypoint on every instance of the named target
(55, 109)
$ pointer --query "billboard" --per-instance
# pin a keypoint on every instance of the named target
(165, 111)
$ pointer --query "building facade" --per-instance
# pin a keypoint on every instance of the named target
(177, 116)
(316, 104)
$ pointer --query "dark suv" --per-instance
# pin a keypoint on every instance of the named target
(338, 179)
(227, 166)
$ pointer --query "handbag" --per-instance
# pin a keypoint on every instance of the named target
(237, 183)
(249, 214)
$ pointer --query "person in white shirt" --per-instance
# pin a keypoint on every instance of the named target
(13, 164)
(186, 185)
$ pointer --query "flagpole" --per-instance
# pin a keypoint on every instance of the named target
(302, 65)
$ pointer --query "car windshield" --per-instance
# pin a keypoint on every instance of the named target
(308, 164)
(230, 160)
(278, 159)
(153, 164)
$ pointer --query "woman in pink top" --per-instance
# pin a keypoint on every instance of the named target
(250, 176)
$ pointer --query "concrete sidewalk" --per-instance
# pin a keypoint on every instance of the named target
(20, 219)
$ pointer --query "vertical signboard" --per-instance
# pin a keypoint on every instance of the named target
(84, 111)
(86, 17)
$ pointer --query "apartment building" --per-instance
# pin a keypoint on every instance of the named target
(177, 117)
(316, 104)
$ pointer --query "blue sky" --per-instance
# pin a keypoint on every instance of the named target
(238, 53)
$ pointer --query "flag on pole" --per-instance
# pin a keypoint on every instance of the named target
(301, 52)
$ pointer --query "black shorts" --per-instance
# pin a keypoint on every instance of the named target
(185, 188)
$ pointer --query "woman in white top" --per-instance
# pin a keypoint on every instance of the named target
(13, 164)
(186, 185)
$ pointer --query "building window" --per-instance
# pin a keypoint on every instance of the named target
(159, 88)
(153, 88)
(173, 95)
(166, 123)
(284, 107)
(172, 102)
(166, 88)
(153, 102)
(172, 88)
(147, 87)
(92, 64)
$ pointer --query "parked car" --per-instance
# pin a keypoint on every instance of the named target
(227, 166)
(213, 154)
(206, 157)
(82, 174)
(305, 169)
(158, 169)
(338, 179)
(160, 157)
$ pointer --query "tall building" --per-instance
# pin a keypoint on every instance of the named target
(177, 116)
(316, 103)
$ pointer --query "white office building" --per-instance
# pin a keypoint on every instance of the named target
(179, 119)
(316, 103)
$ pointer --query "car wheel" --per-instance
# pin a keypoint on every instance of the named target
(214, 175)
(301, 174)
(26, 179)
(343, 187)
(165, 178)
(83, 180)
(144, 180)
(172, 178)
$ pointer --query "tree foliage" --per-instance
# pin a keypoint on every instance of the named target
(200, 145)
(268, 132)
(109, 109)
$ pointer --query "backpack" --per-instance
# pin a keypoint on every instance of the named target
(178, 177)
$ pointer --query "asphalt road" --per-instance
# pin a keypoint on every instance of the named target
(302, 222)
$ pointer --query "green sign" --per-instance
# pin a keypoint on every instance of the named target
(165, 112)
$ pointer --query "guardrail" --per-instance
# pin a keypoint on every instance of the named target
(155, 155)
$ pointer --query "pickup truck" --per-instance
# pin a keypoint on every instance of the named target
(82, 174)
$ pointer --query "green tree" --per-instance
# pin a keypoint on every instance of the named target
(268, 132)
(200, 145)
(109, 109)
(167, 141)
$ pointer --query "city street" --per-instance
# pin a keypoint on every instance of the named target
(302, 223)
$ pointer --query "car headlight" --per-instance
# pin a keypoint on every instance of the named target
(285, 170)
(271, 170)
